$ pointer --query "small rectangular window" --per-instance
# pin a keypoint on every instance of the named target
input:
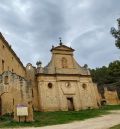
(6, 80)
(3, 63)
(3, 46)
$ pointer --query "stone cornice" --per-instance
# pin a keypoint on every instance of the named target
(43, 74)
(57, 48)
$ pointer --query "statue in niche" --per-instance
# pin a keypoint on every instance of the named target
(64, 62)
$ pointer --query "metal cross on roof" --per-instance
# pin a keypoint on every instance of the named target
(60, 40)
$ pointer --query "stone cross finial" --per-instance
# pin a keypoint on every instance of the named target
(60, 40)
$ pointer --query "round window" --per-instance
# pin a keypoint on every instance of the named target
(84, 86)
(50, 85)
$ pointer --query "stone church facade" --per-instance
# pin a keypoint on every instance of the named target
(62, 85)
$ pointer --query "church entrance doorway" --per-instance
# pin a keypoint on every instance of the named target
(70, 104)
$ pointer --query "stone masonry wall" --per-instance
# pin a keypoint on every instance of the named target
(15, 90)
(9, 60)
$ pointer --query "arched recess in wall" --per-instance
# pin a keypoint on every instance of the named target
(1, 102)
(6, 103)
(64, 62)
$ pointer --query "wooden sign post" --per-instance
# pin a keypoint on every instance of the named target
(22, 111)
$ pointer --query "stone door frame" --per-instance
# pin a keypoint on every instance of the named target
(71, 101)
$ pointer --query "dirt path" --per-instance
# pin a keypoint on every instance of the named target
(103, 122)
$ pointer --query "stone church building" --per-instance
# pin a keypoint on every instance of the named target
(61, 85)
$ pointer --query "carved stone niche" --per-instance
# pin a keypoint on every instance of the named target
(67, 84)
(68, 89)
(64, 62)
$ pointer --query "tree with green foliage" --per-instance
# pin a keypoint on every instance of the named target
(106, 75)
(100, 75)
(116, 34)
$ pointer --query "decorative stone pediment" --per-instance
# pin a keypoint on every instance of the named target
(63, 62)
(62, 48)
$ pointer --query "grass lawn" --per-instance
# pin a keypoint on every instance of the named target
(116, 127)
(60, 117)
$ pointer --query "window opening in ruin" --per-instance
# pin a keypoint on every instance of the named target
(3, 63)
(6, 80)
(29, 67)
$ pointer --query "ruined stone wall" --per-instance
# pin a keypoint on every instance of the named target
(30, 76)
(9, 60)
(109, 94)
(15, 90)
(111, 97)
